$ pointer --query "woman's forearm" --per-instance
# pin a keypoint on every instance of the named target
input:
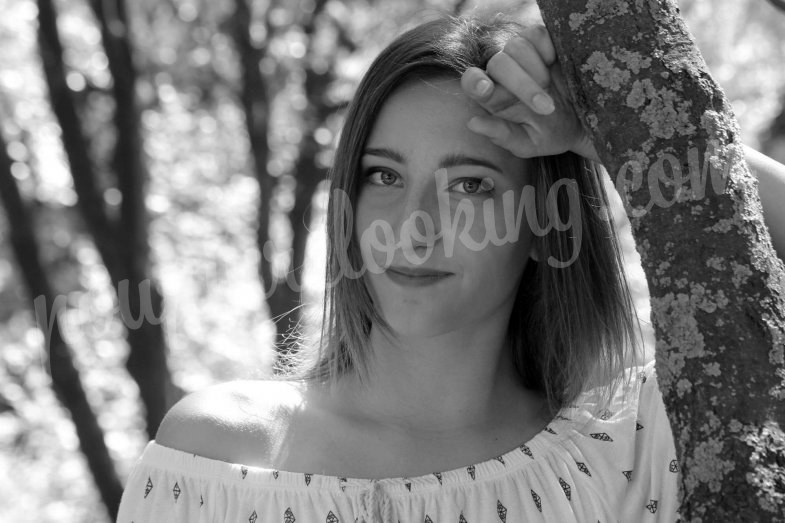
(771, 188)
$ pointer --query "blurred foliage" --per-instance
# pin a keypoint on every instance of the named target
(203, 201)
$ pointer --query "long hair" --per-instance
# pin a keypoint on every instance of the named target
(570, 327)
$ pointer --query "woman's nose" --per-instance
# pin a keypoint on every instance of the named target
(420, 218)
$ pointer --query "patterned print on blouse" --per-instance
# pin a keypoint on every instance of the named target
(566, 488)
(501, 510)
(536, 499)
(650, 504)
(148, 487)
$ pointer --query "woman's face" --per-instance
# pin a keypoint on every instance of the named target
(422, 162)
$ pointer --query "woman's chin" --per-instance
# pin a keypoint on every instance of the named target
(416, 325)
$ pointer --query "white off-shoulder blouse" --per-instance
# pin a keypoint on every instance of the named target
(618, 465)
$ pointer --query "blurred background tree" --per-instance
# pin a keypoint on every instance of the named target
(180, 146)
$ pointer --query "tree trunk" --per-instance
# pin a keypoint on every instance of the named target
(90, 201)
(284, 296)
(308, 174)
(147, 358)
(66, 382)
(255, 96)
(716, 285)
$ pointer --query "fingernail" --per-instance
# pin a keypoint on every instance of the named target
(475, 125)
(543, 103)
(483, 86)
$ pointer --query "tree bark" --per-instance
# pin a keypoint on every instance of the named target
(307, 172)
(779, 4)
(147, 358)
(716, 285)
(147, 355)
(256, 96)
(90, 201)
(66, 383)
(283, 297)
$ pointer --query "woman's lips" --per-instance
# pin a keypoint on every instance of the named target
(418, 271)
(416, 276)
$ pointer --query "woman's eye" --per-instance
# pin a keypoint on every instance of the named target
(473, 185)
(379, 177)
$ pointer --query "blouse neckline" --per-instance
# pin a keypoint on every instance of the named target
(568, 421)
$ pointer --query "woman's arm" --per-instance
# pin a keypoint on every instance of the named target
(771, 188)
(553, 127)
(717, 301)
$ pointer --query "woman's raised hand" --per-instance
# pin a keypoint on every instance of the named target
(530, 112)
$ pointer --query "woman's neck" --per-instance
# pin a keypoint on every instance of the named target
(463, 380)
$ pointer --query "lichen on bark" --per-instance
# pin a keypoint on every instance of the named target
(716, 286)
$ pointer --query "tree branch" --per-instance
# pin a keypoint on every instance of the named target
(779, 4)
(716, 285)
(66, 382)
(147, 356)
(90, 200)
(128, 155)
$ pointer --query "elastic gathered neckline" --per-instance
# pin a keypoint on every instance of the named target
(567, 422)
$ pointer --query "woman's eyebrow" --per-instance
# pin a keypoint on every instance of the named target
(456, 159)
(385, 153)
(450, 160)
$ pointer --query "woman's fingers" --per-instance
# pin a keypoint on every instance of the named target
(522, 68)
(513, 137)
(505, 70)
(477, 85)
(495, 99)
(540, 38)
(527, 55)
(522, 89)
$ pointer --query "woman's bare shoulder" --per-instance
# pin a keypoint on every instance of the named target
(238, 421)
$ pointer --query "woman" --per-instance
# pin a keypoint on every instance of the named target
(459, 378)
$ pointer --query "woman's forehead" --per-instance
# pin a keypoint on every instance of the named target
(424, 114)
(434, 110)
(438, 92)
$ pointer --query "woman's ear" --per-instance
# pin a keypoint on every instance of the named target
(534, 253)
